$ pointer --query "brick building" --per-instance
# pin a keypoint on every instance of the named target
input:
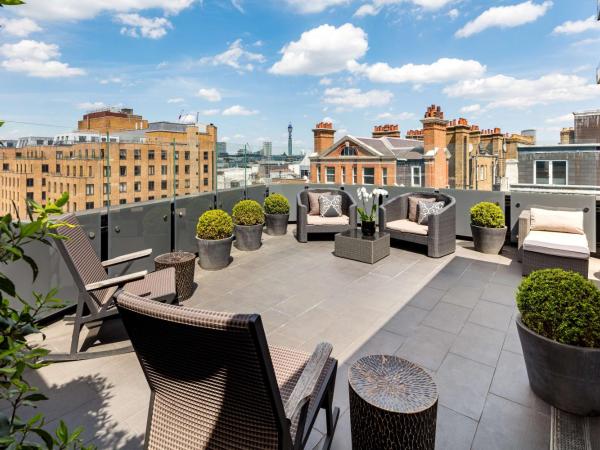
(114, 156)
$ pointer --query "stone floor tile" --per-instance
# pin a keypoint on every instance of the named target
(463, 295)
(426, 298)
(500, 293)
(492, 315)
(427, 347)
(406, 321)
(479, 343)
(447, 317)
(453, 431)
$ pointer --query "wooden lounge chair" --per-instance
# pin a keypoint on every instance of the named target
(216, 384)
(96, 289)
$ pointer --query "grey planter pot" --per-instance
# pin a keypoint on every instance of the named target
(277, 224)
(248, 237)
(488, 240)
(564, 376)
(214, 255)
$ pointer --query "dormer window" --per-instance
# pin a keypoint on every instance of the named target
(349, 151)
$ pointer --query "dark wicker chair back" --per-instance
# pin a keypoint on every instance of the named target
(346, 199)
(212, 380)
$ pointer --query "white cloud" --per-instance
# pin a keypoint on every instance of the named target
(366, 10)
(175, 100)
(111, 80)
(564, 119)
(148, 27)
(328, 119)
(453, 13)
(209, 94)
(588, 41)
(373, 8)
(69, 10)
(88, 106)
(210, 112)
(501, 91)
(395, 116)
(355, 98)
(470, 108)
(36, 59)
(225, 139)
(237, 4)
(235, 56)
(505, 17)
(322, 50)
(314, 6)
(577, 26)
(238, 110)
(325, 81)
(19, 27)
(444, 69)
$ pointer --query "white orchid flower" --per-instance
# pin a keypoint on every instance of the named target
(383, 192)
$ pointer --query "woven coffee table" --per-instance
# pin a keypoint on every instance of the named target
(184, 271)
(352, 244)
(393, 404)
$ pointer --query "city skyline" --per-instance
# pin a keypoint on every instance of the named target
(252, 67)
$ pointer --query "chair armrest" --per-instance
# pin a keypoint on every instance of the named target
(308, 380)
(353, 219)
(382, 216)
(126, 258)
(523, 230)
(393, 208)
(116, 281)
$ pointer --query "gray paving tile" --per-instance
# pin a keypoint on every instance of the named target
(500, 293)
(447, 317)
(381, 343)
(406, 321)
(506, 425)
(453, 431)
(512, 344)
(427, 347)
(507, 276)
(463, 385)
(463, 295)
(443, 281)
(492, 315)
(479, 343)
(427, 298)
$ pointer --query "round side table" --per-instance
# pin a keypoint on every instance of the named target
(393, 404)
(183, 262)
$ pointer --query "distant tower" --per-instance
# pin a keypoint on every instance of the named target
(290, 129)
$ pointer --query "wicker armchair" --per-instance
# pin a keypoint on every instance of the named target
(564, 251)
(216, 384)
(304, 226)
(439, 235)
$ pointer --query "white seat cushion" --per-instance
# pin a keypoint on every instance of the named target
(318, 220)
(569, 245)
(407, 226)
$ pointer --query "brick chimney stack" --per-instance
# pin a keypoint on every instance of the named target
(434, 145)
(386, 130)
(324, 136)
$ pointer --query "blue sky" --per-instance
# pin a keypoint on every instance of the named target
(251, 66)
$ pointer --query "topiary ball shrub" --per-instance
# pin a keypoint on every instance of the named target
(248, 212)
(214, 224)
(276, 204)
(487, 215)
(562, 306)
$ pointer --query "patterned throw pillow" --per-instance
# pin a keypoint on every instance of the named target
(330, 205)
(427, 209)
(313, 202)
(413, 203)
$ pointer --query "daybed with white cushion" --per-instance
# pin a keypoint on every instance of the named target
(308, 222)
(439, 234)
(553, 238)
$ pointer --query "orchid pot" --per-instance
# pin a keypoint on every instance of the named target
(368, 211)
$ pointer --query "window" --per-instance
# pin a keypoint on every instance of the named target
(151, 154)
(205, 168)
(122, 154)
(368, 175)
(89, 205)
(163, 170)
(137, 171)
(186, 170)
(44, 168)
(6, 167)
(343, 175)
(43, 182)
(137, 186)
(384, 177)
(58, 168)
(163, 155)
(163, 184)
(150, 170)
(176, 170)
(106, 188)
(150, 185)
(122, 187)
(59, 155)
(354, 175)
(205, 156)
(205, 182)
(186, 156)
(137, 199)
(550, 172)
(318, 174)
(137, 154)
(187, 183)
(122, 171)
(89, 189)
(151, 197)
(122, 201)
(415, 176)
(29, 182)
(349, 151)
(330, 175)
(482, 173)
(107, 171)
(29, 195)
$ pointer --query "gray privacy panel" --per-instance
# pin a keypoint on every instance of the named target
(465, 199)
(188, 210)
(227, 198)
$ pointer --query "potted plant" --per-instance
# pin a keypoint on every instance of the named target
(559, 329)
(488, 227)
(249, 219)
(367, 220)
(214, 234)
(277, 214)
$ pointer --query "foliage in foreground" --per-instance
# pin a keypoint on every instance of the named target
(214, 224)
(248, 212)
(487, 215)
(276, 204)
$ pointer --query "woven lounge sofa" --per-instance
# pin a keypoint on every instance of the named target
(439, 235)
(554, 240)
(307, 224)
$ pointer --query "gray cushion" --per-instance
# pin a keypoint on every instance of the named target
(426, 209)
(313, 202)
(330, 205)
(413, 204)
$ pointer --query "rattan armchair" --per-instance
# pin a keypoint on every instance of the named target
(216, 384)
(303, 225)
(440, 234)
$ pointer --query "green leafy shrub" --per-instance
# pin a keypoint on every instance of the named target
(248, 212)
(562, 306)
(488, 215)
(214, 224)
(276, 204)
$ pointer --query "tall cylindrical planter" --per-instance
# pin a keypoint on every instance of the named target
(488, 240)
(248, 237)
(565, 376)
(214, 254)
(277, 224)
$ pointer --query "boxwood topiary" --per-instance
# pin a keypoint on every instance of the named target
(276, 204)
(248, 212)
(487, 215)
(214, 224)
(562, 306)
